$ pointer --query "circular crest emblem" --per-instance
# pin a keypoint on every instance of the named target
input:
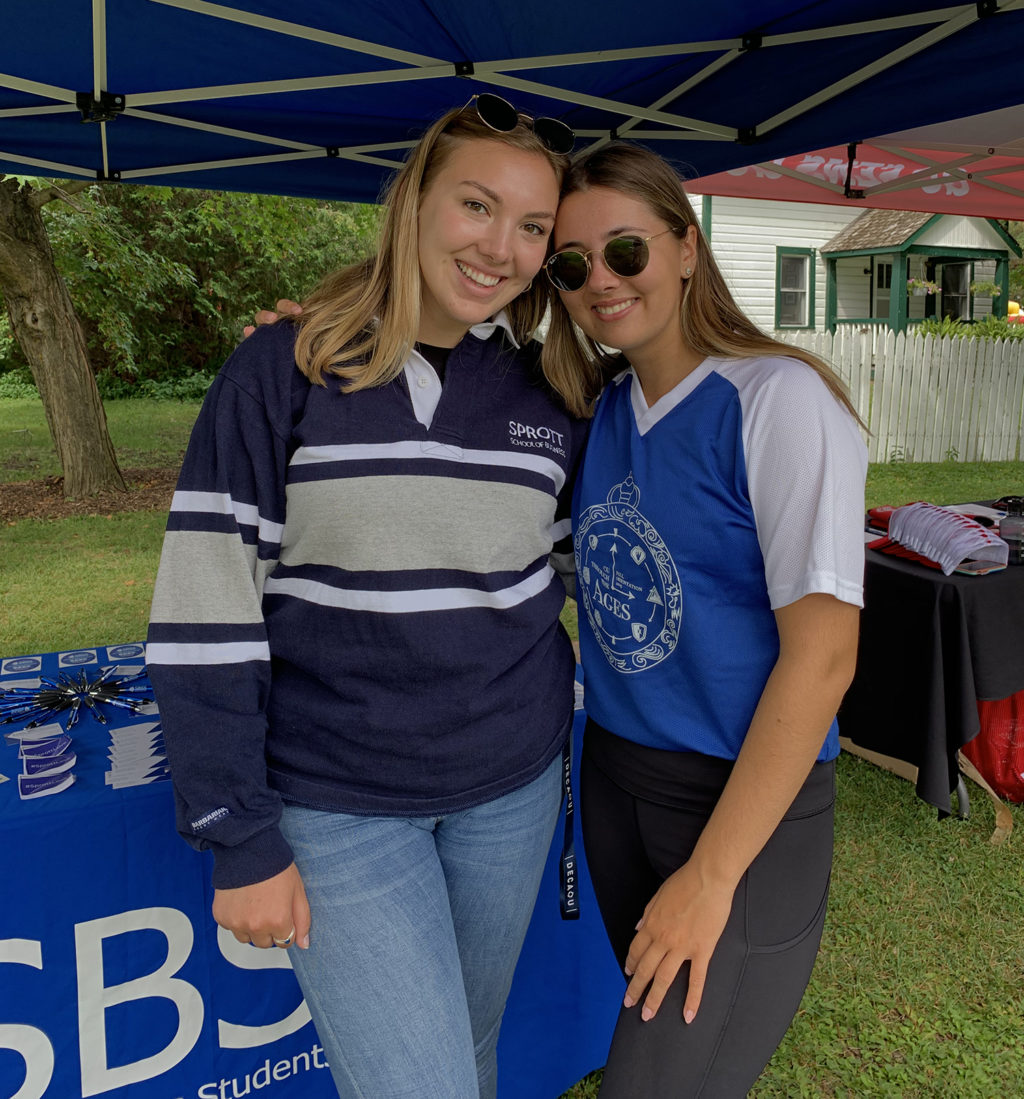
(630, 588)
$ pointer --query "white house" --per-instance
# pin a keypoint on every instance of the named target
(802, 265)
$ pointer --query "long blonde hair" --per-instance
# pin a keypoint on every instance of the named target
(361, 322)
(711, 322)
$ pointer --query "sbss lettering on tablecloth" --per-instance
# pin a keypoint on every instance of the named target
(104, 953)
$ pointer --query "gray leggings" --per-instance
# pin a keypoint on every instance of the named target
(643, 810)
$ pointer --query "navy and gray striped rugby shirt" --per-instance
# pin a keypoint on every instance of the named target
(356, 608)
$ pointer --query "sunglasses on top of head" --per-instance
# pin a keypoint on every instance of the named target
(499, 115)
(626, 256)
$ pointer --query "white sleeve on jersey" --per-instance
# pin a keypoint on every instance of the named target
(806, 464)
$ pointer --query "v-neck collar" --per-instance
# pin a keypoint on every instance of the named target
(647, 416)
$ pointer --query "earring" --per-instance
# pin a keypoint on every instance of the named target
(689, 272)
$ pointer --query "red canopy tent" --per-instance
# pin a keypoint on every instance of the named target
(972, 166)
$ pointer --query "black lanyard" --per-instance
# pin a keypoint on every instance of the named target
(568, 878)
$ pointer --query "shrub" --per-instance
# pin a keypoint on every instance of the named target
(188, 387)
(985, 328)
(948, 326)
(14, 387)
(995, 328)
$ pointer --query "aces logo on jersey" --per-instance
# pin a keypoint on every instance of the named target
(629, 585)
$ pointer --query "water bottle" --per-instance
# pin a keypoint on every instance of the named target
(1011, 529)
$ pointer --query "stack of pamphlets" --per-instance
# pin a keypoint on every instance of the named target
(137, 755)
(47, 759)
(946, 537)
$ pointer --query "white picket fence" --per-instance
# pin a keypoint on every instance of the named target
(926, 398)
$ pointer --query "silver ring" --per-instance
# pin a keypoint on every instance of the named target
(287, 941)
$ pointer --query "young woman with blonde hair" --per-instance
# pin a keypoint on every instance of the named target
(717, 523)
(355, 645)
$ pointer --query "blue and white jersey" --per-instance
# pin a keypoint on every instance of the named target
(356, 608)
(740, 491)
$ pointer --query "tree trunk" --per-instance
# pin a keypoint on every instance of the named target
(44, 323)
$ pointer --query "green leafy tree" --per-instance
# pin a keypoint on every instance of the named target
(129, 284)
(165, 279)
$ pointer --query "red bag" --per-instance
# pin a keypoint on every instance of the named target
(998, 750)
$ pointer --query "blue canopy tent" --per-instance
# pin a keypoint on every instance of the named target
(232, 97)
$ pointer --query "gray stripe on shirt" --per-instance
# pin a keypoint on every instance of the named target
(387, 524)
(199, 579)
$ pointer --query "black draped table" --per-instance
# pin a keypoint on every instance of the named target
(932, 647)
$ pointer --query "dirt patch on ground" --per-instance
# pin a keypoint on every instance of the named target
(148, 490)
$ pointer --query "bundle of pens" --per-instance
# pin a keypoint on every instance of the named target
(63, 700)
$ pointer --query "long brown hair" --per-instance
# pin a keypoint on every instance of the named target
(711, 322)
(361, 322)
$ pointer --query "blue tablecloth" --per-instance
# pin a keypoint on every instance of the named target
(115, 981)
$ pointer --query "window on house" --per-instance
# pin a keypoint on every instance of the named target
(882, 296)
(956, 281)
(794, 288)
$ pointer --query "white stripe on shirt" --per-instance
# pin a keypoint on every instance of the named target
(414, 449)
(409, 602)
(220, 503)
(222, 652)
(561, 529)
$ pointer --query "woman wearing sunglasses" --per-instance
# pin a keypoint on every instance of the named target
(355, 644)
(717, 523)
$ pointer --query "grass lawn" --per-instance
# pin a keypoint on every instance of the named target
(82, 581)
(919, 987)
(144, 433)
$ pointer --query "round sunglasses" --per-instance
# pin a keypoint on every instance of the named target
(502, 117)
(625, 256)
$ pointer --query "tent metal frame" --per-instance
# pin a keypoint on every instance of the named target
(937, 24)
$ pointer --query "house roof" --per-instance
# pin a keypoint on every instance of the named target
(876, 229)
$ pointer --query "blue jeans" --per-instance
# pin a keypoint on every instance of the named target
(417, 926)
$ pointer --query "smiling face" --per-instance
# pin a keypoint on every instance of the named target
(638, 316)
(484, 223)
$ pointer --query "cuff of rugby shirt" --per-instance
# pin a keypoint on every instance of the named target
(256, 859)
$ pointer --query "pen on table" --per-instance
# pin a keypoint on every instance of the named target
(96, 713)
(36, 693)
(36, 718)
(29, 718)
(105, 673)
(135, 705)
(58, 684)
(12, 713)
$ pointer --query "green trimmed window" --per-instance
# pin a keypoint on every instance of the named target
(794, 287)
